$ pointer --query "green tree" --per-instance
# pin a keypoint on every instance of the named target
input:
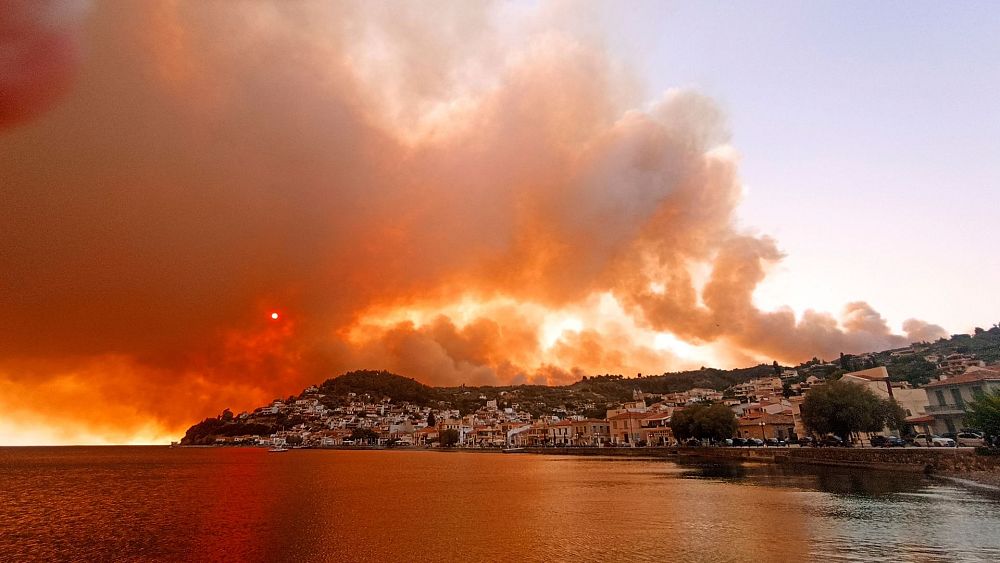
(984, 413)
(449, 437)
(914, 369)
(715, 422)
(712, 421)
(844, 408)
(431, 421)
(364, 435)
(682, 423)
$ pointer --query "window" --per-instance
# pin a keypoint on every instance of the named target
(977, 390)
(940, 397)
(957, 395)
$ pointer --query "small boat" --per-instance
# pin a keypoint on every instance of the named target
(512, 450)
(277, 450)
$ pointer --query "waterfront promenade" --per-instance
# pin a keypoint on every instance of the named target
(940, 461)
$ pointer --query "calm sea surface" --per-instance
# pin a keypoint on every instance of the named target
(160, 504)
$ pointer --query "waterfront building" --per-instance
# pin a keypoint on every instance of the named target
(591, 432)
(766, 426)
(561, 433)
(626, 428)
(949, 397)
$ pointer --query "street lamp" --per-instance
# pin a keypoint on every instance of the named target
(762, 437)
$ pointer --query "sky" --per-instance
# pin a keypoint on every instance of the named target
(868, 134)
(210, 205)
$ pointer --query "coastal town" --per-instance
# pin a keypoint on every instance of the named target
(768, 410)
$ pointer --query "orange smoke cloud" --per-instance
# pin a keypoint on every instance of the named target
(413, 190)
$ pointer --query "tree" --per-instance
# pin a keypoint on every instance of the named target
(984, 413)
(682, 423)
(914, 369)
(226, 416)
(842, 408)
(431, 421)
(715, 422)
(364, 435)
(449, 437)
(712, 421)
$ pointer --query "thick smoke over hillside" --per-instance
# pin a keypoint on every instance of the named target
(421, 190)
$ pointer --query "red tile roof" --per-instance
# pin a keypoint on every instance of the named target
(766, 418)
(626, 415)
(968, 377)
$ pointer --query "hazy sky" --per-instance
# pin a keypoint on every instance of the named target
(870, 133)
(472, 193)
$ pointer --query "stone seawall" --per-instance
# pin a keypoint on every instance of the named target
(944, 460)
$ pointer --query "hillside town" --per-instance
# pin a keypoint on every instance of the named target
(768, 411)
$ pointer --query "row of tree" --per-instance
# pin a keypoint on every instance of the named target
(838, 407)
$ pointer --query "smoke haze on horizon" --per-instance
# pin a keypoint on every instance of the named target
(440, 193)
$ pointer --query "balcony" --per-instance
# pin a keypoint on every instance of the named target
(946, 409)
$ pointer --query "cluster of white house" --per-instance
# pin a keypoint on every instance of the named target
(761, 408)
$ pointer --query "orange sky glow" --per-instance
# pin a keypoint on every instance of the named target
(203, 223)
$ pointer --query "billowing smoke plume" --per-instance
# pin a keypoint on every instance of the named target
(419, 189)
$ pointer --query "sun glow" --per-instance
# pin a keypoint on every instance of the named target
(555, 326)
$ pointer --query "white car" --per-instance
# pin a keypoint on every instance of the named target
(935, 441)
(970, 439)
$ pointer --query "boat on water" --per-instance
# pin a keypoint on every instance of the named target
(277, 450)
(513, 450)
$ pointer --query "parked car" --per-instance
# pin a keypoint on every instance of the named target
(832, 441)
(924, 440)
(774, 442)
(738, 442)
(755, 442)
(887, 442)
(807, 441)
(692, 442)
(970, 439)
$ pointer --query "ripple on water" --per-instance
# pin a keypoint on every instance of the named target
(155, 504)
